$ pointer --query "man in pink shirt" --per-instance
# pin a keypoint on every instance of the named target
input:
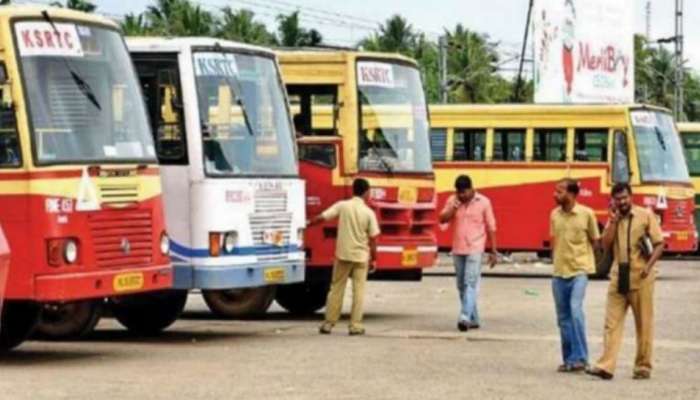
(474, 223)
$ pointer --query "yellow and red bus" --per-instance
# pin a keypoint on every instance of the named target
(80, 195)
(690, 137)
(361, 115)
(516, 153)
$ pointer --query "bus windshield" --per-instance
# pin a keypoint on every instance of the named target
(245, 123)
(393, 118)
(658, 147)
(82, 94)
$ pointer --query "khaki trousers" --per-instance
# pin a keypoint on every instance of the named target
(342, 270)
(642, 303)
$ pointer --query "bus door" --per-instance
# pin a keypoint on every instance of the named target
(159, 76)
(316, 114)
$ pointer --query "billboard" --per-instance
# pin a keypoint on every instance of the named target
(584, 51)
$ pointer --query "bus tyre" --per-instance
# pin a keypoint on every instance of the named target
(303, 298)
(149, 313)
(603, 263)
(19, 318)
(240, 303)
(68, 320)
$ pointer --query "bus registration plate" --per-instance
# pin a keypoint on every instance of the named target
(128, 282)
(408, 195)
(682, 236)
(409, 258)
(274, 275)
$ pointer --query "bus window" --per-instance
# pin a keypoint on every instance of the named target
(315, 109)
(161, 90)
(438, 143)
(621, 167)
(9, 142)
(591, 145)
(321, 154)
(469, 145)
(509, 145)
(691, 145)
(550, 145)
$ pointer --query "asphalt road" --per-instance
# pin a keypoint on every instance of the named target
(412, 350)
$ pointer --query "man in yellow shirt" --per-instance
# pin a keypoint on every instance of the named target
(574, 233)
(637, 241)
(355, 250)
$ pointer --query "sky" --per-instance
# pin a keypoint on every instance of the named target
(346, 22)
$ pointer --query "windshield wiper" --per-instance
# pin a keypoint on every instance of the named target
(387, 167)
(660, 137)
(82, 85)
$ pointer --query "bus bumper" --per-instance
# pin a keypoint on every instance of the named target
(237, 276)
(97, 284)
(398, 257)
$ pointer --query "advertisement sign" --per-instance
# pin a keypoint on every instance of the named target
(584, 51)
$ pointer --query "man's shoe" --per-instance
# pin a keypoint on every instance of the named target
(463, 326)
(641, 374)
(474, 326)
(325, 329)
(356, 332)
(576, 367)
(599, 373)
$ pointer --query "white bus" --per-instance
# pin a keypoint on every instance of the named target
(234, 202)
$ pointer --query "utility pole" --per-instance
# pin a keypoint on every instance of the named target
(442, 59)
(678, 92)
(519, 81)
(648, 27)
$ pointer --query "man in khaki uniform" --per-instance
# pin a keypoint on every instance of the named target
(355, 251)
(631, 281)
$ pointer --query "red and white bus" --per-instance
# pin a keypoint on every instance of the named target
(80, 195)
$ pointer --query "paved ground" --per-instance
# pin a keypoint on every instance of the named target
(412, 350)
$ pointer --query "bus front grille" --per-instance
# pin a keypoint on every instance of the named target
(270, 201)
(122, 238)
(119, 195)
(262, 223)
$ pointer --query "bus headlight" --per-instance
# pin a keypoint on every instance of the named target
(70, 251)
(300, 236)
(164, 244)
(230, 241)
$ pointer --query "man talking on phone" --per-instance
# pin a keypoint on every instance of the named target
(635, 236)
(473, 219)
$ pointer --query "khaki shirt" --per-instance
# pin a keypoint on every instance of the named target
(643, 222)
(573, 234)
(356, 225)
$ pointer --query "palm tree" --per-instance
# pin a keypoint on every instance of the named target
(395, 35)
(291, 34)
(135, 25)
(241, 26)
(80, 5)
(179, 18)
(472, 64)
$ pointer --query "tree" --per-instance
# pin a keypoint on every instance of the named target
(395, 35)
(291, 34)
(241, 26)
(135, 25)
(472, 65)
(80, 5)
(179, 18)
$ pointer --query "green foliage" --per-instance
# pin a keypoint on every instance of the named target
(291, 34)
(241, 26)
(79, 5)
